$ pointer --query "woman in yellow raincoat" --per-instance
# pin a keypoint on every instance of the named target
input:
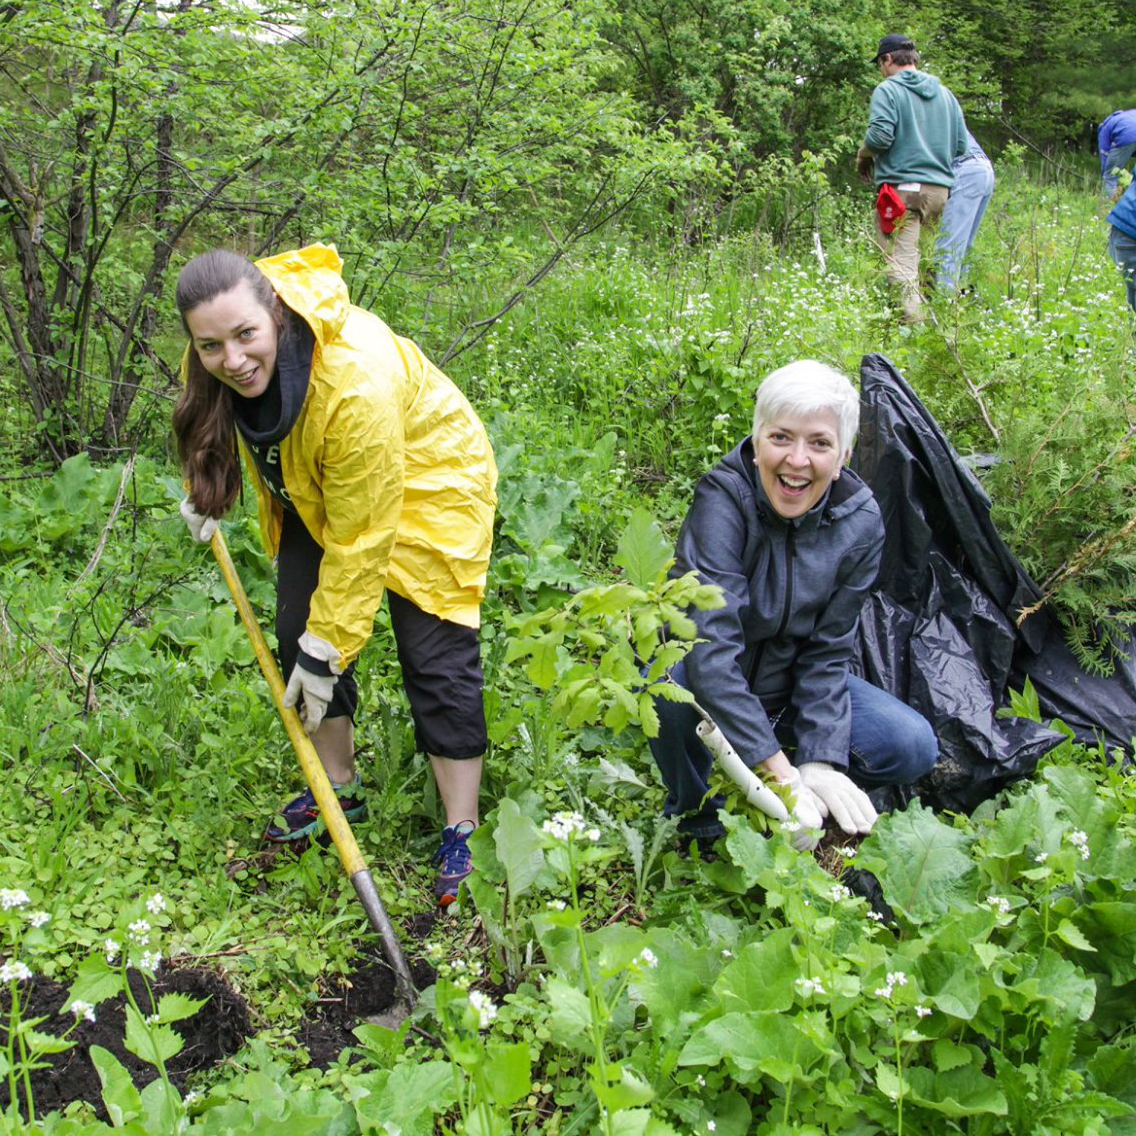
(372, 473)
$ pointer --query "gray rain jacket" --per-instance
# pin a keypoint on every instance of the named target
(793, 591)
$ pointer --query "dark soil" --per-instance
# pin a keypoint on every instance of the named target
(214, 1032)
(350, 1001)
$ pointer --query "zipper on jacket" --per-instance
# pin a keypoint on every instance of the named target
(790, 553)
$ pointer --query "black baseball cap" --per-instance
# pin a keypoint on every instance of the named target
(893, 42)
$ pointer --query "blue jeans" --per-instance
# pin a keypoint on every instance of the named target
(891, 745)
(971, 193)
(1122, 249)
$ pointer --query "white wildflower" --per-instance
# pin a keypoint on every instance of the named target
(140, 931)
(922, 1011)
(700, 1081)
(564, 825)
(727, 953)
(876, 916)
(152, 1019)
(12, 970)
(149, 960)
(112, 948)
(1000, 904)
(13, 897)
(156, 903)
(839, 892)
(711, 1125)
(647, 958)
(557, 904)
(486, 1010)
(1080, 841)
(82, 1009)
(38, 918)
(593, 834)
(1041, 857)
(847, 851)
(809, 986)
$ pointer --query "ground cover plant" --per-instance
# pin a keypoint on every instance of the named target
(592, 980)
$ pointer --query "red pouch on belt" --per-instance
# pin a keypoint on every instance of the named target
(890, 206)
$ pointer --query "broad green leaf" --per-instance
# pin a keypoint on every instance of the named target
(121, 1098)
(643, 551)
(762, 976)
(640, 1122)
(1069, 932)
(508, 1071)
(411, 1096)
(570, 1015)
(955, 1092)
(753, 1044)
(620, 1086)
(748, 849)
(519, 847)
(153, 1043)
(951, 986)
(922, 863)
(1111, 928)
(176, 1007)
(95, 981)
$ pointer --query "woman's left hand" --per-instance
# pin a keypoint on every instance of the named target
(839, 795)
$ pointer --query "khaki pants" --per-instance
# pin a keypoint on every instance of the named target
(901, 247)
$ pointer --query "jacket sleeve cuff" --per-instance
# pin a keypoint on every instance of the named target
(313, 665)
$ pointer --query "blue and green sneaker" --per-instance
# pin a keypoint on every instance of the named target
(299, 818)
(453, 860)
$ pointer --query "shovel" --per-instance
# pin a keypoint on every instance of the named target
(352, 859)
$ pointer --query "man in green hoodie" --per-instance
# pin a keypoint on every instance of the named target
(915, 132)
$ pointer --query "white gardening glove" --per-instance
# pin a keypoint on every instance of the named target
(849, 805)
(807, 813)
(313, 691)
(201, 528)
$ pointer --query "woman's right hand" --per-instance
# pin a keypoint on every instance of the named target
(201, 528)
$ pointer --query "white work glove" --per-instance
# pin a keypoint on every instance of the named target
(808, 814)
(313, 691)
(837, 794)
(202, 528)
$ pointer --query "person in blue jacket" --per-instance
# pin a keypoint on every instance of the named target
(1116, 141)
(1122, 239)
(794, 539)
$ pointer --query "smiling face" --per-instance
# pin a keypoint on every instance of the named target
(797, 459)
(235, 338)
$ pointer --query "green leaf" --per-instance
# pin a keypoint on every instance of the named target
(518, 844)
(176, 1007)
(570, 1015)
(95, 981)
(753, 1044)
(957, 1092)
(1069, 932)
(762, 975)
(620, 1086)
(121, 1098)
(153, 1043)
(922, 863)
(644, 553)
(508, 1071)
(412, 1094)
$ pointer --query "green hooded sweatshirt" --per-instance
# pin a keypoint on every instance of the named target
(915, 129)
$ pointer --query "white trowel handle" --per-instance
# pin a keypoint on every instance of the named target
(756, 791)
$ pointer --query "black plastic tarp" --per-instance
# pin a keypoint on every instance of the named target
(939, 630)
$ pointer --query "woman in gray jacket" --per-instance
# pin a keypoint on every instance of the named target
(793, 538)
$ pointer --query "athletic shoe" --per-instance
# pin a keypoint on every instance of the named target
(453, 860)
(302, 815)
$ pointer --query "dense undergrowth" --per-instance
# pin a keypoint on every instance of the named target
(594, 980)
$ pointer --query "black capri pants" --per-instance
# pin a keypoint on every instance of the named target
(440, 660)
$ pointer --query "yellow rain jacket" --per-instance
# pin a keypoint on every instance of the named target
(388, 466)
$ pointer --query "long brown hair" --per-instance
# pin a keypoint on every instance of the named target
(203, 417)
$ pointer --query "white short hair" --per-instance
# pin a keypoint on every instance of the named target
(807, 387)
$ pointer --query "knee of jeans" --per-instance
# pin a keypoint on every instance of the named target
(921, 749)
